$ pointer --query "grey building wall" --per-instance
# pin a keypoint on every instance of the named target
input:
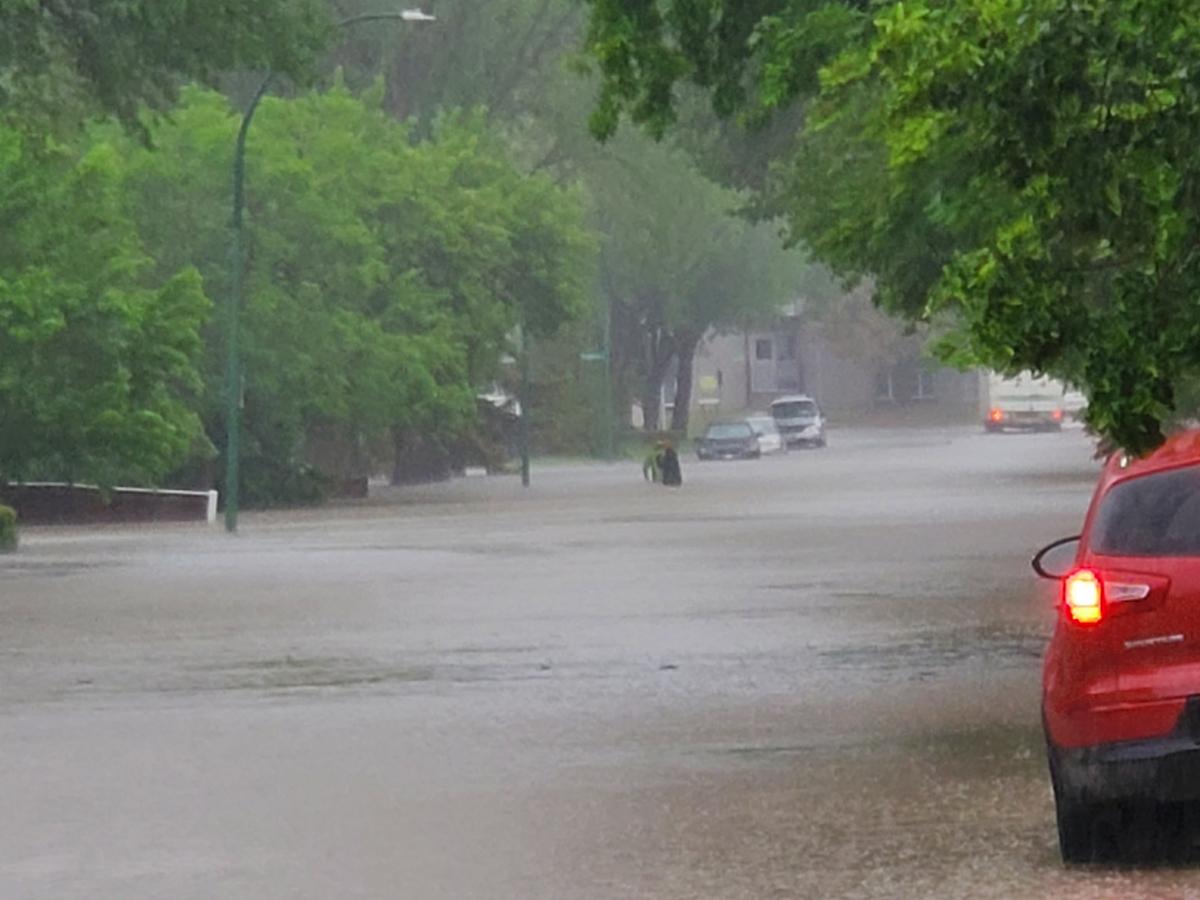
(735, 373)
(720, 384)
(835, 381)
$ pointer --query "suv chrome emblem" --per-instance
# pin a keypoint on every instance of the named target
(1154, 641)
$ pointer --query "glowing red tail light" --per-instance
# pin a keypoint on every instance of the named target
(997, 415)
(1058, 415)
(1083, 596)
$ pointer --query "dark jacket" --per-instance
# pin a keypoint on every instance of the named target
(669, 466)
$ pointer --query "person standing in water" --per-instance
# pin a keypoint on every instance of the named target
(668, 465)
(650, 465)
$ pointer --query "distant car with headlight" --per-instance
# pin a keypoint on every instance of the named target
(799, 420)
(728, 440)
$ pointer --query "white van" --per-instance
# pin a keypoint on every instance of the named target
(1026, 401)
(799, 420)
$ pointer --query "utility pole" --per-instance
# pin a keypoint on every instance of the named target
(609, 424)
(525, 405)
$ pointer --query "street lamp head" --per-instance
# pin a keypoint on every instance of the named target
(417, 15)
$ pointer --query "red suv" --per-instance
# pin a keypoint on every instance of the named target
(1121, 685)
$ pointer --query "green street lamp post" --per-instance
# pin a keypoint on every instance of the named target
(609, 443)
(525, 418)
(233, 366)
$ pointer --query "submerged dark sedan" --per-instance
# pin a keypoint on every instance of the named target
(728, 440)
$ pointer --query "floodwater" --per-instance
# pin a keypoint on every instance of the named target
(808, 676)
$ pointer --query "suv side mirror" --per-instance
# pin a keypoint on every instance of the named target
(1058, 559)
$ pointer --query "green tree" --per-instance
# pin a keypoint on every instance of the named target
(749, 58)
(502, 56)
(97, 352)
(385, 274)
(677, 262)
(516, 60)
(116, 56)
(821, 166)
(1072, 191)
(1023, 167)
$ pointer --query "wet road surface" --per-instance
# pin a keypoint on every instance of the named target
(809, 676)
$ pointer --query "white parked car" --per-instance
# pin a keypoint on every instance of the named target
(769, 438)
(800, 421)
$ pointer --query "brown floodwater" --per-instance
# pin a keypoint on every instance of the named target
(808, 676)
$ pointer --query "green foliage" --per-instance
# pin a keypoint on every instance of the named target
(114, 56)
(8, 529)
(567, 404)
(671, 236)
(677, 261)
(502, 56)
(1071, 125)
(749, 57)
(97, 353)
(516, 58)
(1023, 168)
(384, 274)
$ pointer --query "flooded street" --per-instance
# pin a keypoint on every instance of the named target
(815, 675)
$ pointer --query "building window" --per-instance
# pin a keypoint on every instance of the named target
(762, 349)
(788, 349)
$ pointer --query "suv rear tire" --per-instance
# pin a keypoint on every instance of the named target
(1076, 841)
(1075, 819)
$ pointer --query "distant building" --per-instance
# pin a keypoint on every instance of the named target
(742, 371)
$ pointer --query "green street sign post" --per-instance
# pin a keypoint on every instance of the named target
(602, 356)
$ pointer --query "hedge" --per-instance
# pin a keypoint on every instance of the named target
(8, 529)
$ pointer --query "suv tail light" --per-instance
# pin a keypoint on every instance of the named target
(1087, 596)
(1083, 595)
(997, 415)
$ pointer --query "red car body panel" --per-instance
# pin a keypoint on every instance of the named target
(1128, 676)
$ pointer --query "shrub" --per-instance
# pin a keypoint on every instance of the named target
(268, 483)
(8, 529)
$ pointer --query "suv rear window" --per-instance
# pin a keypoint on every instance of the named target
(1155, 515)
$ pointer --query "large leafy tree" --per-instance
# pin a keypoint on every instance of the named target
(1025, 167)
(677, 262)
(98, 353)
(385, 275)
(1071, 189)
(666, 246)
(75, 57)
(749, 58)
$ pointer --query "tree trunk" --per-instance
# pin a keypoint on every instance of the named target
(682, 411)
(651, 403)
(397, 456)
(661, 352)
